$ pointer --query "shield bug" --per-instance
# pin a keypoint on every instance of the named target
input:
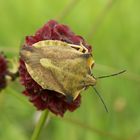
(60, 66)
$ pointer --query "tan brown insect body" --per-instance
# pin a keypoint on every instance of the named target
(59, 66)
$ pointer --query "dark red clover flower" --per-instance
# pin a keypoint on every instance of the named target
(47, 99)
(3, 71)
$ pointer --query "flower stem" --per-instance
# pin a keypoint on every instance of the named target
(40, 125)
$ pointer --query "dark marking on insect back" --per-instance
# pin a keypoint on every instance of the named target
(69, 99)
(28, 48)
(86, 55)
(25, 52)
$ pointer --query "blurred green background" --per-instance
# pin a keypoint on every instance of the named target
(113, 29)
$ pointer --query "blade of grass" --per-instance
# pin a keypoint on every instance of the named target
(128, 74)
(14, 93)
(67, 9)
(89, 128)
(99, 19)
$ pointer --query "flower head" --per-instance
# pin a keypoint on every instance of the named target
(43, 98)
(3, 71)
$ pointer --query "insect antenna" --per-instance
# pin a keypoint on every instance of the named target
(101, 99)
(114, 74)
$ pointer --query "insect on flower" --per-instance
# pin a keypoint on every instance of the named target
(59, 66)
(56, 70)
